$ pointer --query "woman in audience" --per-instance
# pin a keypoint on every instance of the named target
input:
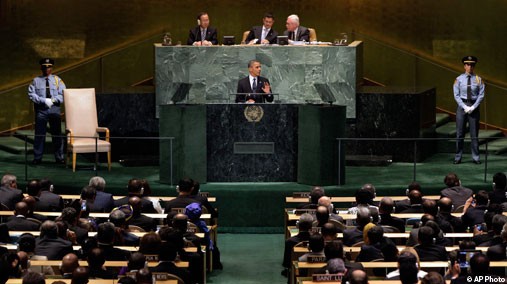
(408, 267)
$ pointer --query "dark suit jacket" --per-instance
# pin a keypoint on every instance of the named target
(457, 194)
(256, 32)
(195, 35)
(289, 245)
(21, 224)
(103, 202)
(302, 34)
(114, 254)
(473, 216)
(10, 196)
(49, 202)
(180, 201)
(415, 208)
(259, 96)
(352, 236)
(431, 252)
(147, 205)
(145, 222)
(169, 267)
(369, 253)
(388, 220)
(53, 249)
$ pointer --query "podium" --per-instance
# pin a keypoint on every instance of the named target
(253, 143)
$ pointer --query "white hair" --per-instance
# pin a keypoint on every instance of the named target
(98, 183)
(294, 18)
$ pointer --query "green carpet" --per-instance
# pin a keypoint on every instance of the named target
(250, 259)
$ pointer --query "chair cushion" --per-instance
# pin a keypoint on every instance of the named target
(87, 145)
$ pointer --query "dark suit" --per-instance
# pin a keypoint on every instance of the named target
(497, 253)
(147, 205)
(431, 252)
(302, 34)
(388, 220)
(256, 33)
(473, 216)
(180, 201)
(259, 96)
(20, 223)
(53, 249)
(114, 254)
(103, 202)
(49, 202)
(289, 245)
(195, 35)
(145, 222)
(414, 208)
(369, 253)
(457, 194)
(10, 196)
(352, 236)
(169, 267)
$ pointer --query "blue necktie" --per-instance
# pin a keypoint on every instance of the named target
(469, 89)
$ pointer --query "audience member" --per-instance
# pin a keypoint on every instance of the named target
(321, 216)
(479, 266)
(48, 201)
(304, 225)
(185, 188)
(203, 200)
(499, 194)
(103, 201)
(498, 252)
(498, 222)
(96, 260)
(475, 208)
(326, 201)
(457, 193)
(413, 238)
(316, 247)
(147, 223)
(33, 187)
(69, 263)
(427, 249)
(136, 261)
(454, 269)
(329, 232)
(125, 238)
(105, 237)
(355, 234)
(364, 198)
(378, 246)
(433, 278)
(19, 222)
(80, 275)
(147, 195)
(385, 209)
(445, 209)
(408, 267)
(33, 278)
(135, 188)
(167, 254)
(144, 276)
(416, 200)
(405, 203)
(71, 217)
(334, 250)
(9, 192)
(150, 244)
(358, 277)
(31, 202)
(49, 244)
(315, 194)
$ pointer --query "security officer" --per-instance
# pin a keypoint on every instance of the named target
(468, 93)
(46, 92)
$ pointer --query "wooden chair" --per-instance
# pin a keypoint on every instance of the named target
(245, 35)
(135, 229)
(313, 34)
(82, 126)
(459, 209)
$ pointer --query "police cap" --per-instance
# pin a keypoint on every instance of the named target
(46, 62)
(469, 59)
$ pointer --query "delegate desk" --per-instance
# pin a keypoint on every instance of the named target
(352, 199)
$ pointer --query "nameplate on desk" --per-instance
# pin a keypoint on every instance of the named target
(178, 210)
(316, 259)
(315, 230)
(300, 194)
(161, 276)
(151, 257)
(326, 277)
(303, 211)
(204, 194)
(191, 230)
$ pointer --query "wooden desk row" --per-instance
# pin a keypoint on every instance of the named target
(291, 216)
(91, 281)
(163, 198)
(182, 264)
(303, 250)
(101, 215)
(90, 234)
(292, 230)
(13, 247)
(351, 199)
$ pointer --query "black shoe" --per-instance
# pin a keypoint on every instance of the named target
(36, 161)
(60, 161)
(457, 162)
(477, 162)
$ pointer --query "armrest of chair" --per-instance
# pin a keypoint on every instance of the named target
(68, 132)
(104, 129)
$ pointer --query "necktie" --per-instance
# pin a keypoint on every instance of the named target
(48, 91)
(264, 32)
(254, 86)
(469, 89)
(203, 34)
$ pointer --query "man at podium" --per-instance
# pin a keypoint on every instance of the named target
(254, 88)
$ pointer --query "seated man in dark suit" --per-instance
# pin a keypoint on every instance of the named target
(71, 217)
(474, 210)
(203, 34)
(184, 198)
(416, 199)
(404, 204)
(445, 207)
(49, 244)
(385, 209)
(119, 218)
(203, 200)
(256, 89)
(48, 201)
(355, 235)
(135, 188)
(294, 31)
(166, 256)
(9, 192)
(96, 260)
(263, 34)
(105, 236)
(427, 250)
(499, 194)
(315, 194)
(457, 193)
(147, 223)
(104, 202)
(304, 225)
(18, 222)
(30, 202)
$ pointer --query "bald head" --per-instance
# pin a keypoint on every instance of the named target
(69, 263)
(363, 216)
(30, 202)
(180, 221)
(445, 204)
(21, 208)
(80, 275)
(358, 277)
(386, 205)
